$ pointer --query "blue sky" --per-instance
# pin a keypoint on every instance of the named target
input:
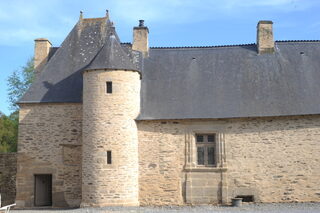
(170, 22)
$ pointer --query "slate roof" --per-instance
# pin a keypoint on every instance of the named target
(112, 56)
(60, 81)
(188, 82)
(231, 81)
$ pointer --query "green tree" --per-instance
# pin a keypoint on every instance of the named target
(8, 132)
(18, 83)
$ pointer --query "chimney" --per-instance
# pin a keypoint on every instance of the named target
(41, 52)
(140, 39)
(265, 43)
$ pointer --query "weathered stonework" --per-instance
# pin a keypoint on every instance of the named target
(50, 138)
(108, 125)
(161, 162)
(8, 170)
(265, 42)
(274, 159)
(140, 40)
(41, 52)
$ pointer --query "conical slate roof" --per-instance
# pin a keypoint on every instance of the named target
(112, 56)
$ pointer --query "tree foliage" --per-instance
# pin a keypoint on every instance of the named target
(18, 83)
(8, 132)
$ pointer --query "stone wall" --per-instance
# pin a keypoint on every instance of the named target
(8, 170)
(50, 139)
(273, 159)
(161, 162)
(109, 126)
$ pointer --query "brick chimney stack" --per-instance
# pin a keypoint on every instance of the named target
(140, 39)
(41, 51)
(265, 42)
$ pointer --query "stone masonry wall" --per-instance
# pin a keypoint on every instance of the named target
(8, 170)
(109, 126)
(274, 159)
(50, 138)
(161, 162)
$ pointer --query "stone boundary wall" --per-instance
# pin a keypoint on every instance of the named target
(8, 171)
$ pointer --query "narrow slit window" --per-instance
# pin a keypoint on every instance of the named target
(109, 157)
(109, 86)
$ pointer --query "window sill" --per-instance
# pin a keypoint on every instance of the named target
(205, 169)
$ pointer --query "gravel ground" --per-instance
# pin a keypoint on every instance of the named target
(247, 208)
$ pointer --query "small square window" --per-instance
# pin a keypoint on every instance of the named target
(199, 138)
(211, 138)
(109, 86)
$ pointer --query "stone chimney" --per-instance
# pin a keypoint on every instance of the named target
(41, 52)
(265, 42)
(140, 39)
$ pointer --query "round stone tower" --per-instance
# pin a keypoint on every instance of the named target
(111, 102)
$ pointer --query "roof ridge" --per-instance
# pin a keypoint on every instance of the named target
(94, 19)
(232, 45)
(306, 41)
(227, 45)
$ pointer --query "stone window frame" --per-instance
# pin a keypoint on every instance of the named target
(191, 151)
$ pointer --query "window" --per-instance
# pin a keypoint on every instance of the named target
(205, 144)
(109, 87)
(109, 157)
(205, 149)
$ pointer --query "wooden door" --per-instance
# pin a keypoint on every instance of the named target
(43, 190)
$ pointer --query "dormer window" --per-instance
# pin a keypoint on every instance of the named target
(109, 87)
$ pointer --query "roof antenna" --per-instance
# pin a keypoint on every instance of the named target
(81, 15)
(107, 14)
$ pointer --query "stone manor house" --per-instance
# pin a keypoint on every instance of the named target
(110, 123)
